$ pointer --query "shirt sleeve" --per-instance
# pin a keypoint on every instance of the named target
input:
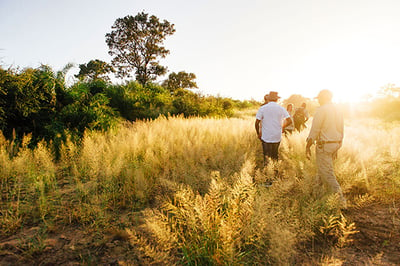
(316, 125)
(285, 113)
(259, 115)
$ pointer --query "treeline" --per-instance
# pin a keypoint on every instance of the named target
(36, 101)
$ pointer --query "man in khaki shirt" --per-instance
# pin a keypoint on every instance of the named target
(327, 132)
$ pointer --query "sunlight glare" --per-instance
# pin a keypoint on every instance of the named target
(350, 71)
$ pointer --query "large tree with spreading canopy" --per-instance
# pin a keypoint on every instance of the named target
(136, 44)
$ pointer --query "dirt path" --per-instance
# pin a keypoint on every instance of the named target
(378, 240)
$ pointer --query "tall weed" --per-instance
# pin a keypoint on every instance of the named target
(198, 181)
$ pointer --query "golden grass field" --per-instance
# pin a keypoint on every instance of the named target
(186, 191)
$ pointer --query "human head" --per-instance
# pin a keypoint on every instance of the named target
(266, 98)
(324, 96)
(273, 96)
(289, 107)
(304, 105)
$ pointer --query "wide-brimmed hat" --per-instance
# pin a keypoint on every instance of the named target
(273, 95)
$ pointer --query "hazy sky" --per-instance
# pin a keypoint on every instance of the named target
(238, 49)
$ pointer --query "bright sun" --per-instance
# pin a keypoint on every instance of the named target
(350, 71)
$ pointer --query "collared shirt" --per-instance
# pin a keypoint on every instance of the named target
(327, 124)
(271, 116)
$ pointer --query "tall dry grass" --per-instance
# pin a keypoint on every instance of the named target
(139, 161)
(126, 168)
(191, 228)
(196, 181)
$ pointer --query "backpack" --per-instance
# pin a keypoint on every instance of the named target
(299, 116)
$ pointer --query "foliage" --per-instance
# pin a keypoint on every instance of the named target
(337, 228)
(134, 101)
(209, 229)
(136, 43)
(246, 104)
(192, 104)
(37, 102)
(181, 80)
(3, 92)
(87, 110)
(28, 100)
(93, 70)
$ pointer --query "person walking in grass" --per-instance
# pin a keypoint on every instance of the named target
(273, 119)
(327, 133)
(300, 117)
(289, 128)
(265, 99)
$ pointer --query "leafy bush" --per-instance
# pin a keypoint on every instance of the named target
(37, 101)
(193, 104)
(134, 101)
(28, 102)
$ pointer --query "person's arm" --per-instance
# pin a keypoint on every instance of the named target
(286, 123)
(308, 148)
(314, 132)
(316, 125)
(306, 116)
(257, 126)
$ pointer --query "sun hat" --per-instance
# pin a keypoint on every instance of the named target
(273, 96)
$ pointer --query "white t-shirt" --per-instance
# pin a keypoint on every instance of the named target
(271, 116)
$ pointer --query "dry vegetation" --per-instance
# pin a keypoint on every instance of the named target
(186, 191)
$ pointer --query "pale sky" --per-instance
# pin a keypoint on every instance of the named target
(237, 49)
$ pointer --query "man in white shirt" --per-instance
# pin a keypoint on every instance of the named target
(274, 119)
(327, 132)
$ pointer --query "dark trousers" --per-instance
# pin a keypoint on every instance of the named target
(270, 150)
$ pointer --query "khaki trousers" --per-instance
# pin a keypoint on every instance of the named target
(324, 157)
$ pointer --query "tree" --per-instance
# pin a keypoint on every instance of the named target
(93, 70)
(3, 93)
(181, 80)
(136, 43)
(295, 99)
(29, 100)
